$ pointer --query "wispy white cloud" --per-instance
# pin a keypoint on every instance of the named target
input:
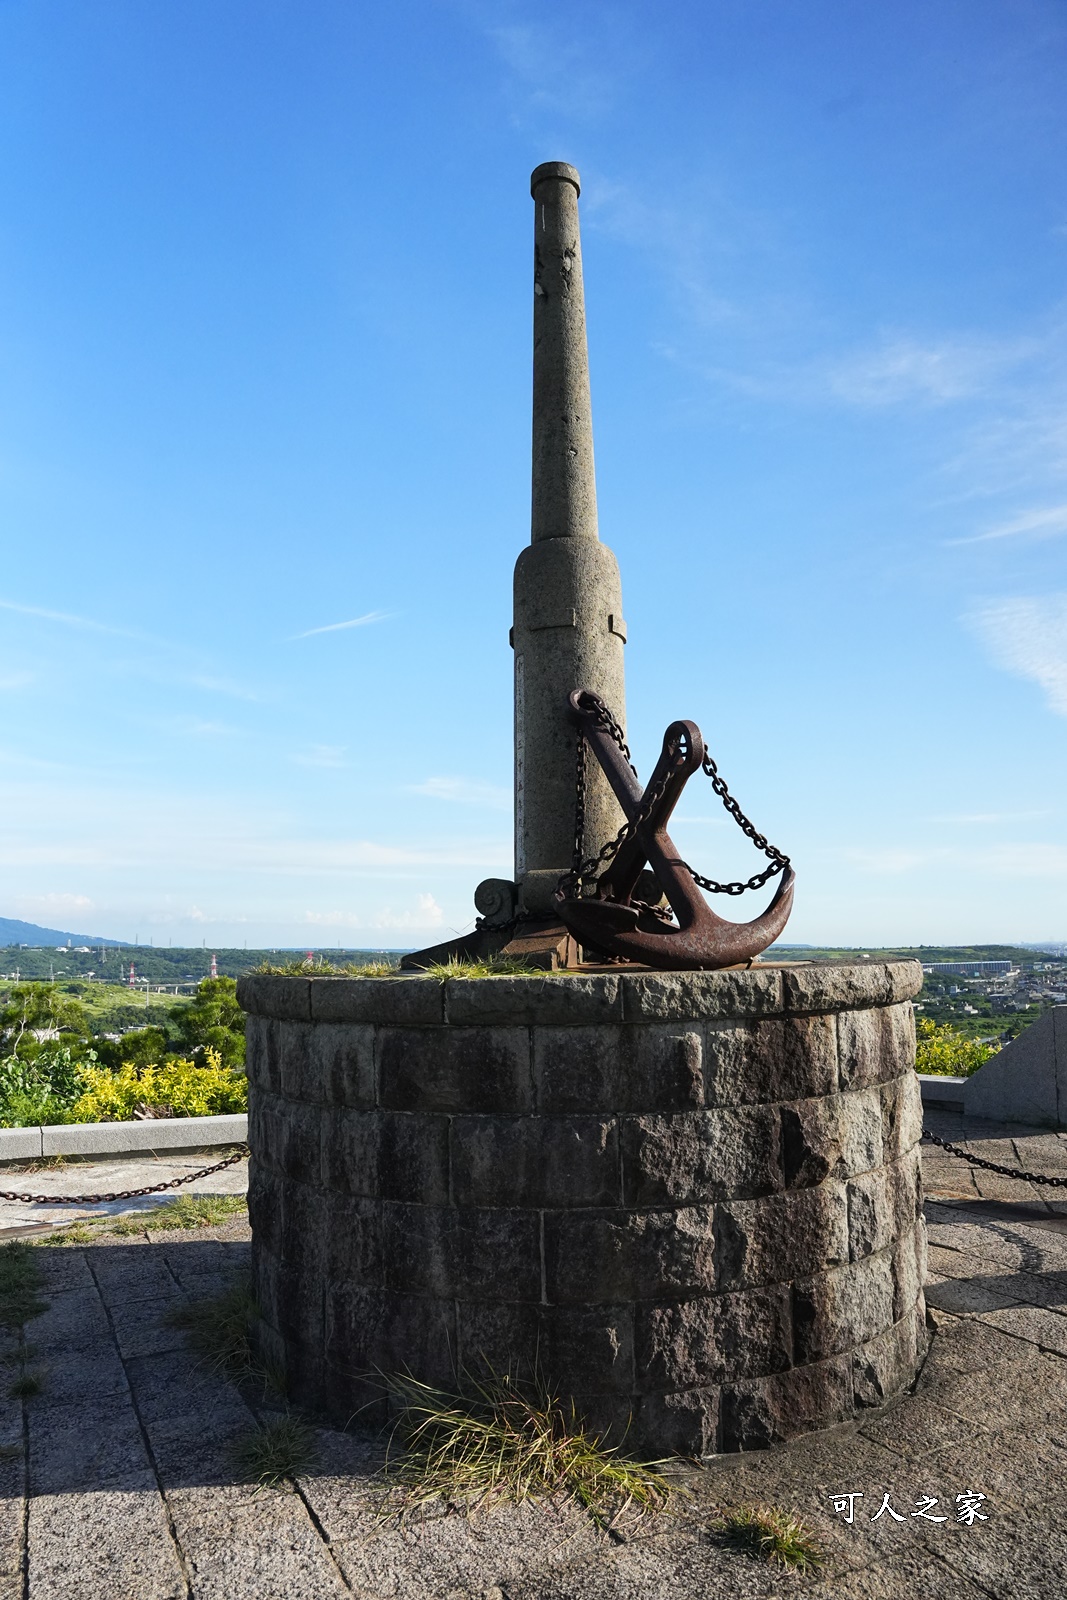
(1046, 522)
(1008, 860)
(464, 792)
(15, 680)
(901, 369)
(1028, 636)
(338, 627)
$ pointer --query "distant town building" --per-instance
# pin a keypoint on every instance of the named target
(971, 969)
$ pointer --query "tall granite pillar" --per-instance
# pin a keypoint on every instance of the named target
(569, 630)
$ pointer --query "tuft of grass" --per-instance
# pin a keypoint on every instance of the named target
(279, 1448)
(769, 1534)
(505, 1443)
(221, 1329)
(491, 967)
(20, 1279)
(26, 1384)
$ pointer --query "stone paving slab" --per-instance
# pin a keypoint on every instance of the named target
(127, 1489)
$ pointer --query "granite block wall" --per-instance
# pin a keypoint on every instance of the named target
(691, 1201)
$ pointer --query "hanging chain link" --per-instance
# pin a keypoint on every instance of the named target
(126, 1194)
(994, 1166)
(582, 869)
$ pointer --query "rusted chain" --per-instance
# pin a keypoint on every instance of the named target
(126, 1194)
(994, 1166)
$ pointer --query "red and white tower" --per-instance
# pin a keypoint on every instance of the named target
(132, 980)
(214, 966)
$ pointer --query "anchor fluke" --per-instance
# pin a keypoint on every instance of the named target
(611, 920)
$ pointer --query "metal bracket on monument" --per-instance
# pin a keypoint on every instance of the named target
(699, 938)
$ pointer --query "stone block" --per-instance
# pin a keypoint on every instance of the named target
(1026, 1081)
(875, 1046)
(265, 1207)
(835, 986)
(760, 1412)
(751, 1062)
(688, 1343)
(400, 1001)
(832, 1137)
(683, 996)
(905, 980)
(564, 1349)
(285, 1136)
(295, 1078)
(354, 1399)
(261, 1054)
(288, 999)
(535, 1161)
(291, 1300)
(909, 1270)
(305, 1227)
(904, 1188)
(560, 999)
(780, 1237)
(683, 1423)
(834, 1311)
(372, 1331)
(606, 1069)
(341, 1067)
(902, 1114)
(461, 1069)
(696, 1156)
(394, 1155)
(604, 1257)
(884, 1365)
(469, 1253)
(870, 1214)
(354, 1246)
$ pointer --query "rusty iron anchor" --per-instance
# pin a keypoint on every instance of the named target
(611, 921)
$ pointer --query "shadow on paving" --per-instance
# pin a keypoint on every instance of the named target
(125, 1489)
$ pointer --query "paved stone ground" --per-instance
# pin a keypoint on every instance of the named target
(117, 1482)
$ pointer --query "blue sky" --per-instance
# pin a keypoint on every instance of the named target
(265, 286)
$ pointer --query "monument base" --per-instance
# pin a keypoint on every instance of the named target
(691, 1202)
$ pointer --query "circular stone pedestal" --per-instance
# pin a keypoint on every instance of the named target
(689, 1199)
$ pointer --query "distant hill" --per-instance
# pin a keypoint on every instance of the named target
(14, 932)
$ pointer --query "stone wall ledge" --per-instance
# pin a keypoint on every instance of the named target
(577, 998)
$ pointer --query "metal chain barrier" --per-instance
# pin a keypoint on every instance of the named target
(994, 1166)
(581, 869)
(126, 1194)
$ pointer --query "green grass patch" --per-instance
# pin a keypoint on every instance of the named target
(491, 967)
(279, 1448)
(220, 1329)
(20, 1280)
(769, 1534)
(196, 1211)
(188, 1211)
(504, 1443)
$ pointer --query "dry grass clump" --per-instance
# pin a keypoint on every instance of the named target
(770, 1535)
(501, 1443)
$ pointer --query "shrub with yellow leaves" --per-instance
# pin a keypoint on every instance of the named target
(185, 1088)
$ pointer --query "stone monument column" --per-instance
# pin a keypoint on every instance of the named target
(569, 630)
